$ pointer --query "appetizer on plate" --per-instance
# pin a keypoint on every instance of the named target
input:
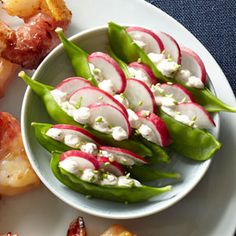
(125, 112)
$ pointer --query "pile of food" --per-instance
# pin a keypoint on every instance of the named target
(125, 112)
(24, 47)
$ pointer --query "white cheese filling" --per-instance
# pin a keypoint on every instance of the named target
(122, 99)
(133, 119)
(186, 77)
(148, 133)
(90, 148)
(139, 74)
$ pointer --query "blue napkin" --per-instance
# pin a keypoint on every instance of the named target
(213, 22)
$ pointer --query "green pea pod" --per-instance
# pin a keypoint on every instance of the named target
(146, 174)
(190, 142)
(159, 153)
(122, 64)
(61, 117)
(77, 57)
(124, 48)
(112, 193)
(47, 142)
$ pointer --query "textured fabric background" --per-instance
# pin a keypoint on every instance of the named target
(213, 22)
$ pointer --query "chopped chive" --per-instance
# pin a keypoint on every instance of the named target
(98, 119)
(140, 103)
(78, 104)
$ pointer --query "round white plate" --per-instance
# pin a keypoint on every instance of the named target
(208, 210)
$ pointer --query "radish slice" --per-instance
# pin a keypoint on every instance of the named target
(171, 46)
(70, 85)
(112, 167)
(80, 132)
(192, 62)
(82, 160)
(192, 114)
(173, 92)
(153, 129)
(91, 95)
(113, 117)
(139, 96)
(109, 69)
(123, 156)
(146, 39)
(142, 72)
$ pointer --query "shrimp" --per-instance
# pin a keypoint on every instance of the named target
(16, 174)
(32, 41)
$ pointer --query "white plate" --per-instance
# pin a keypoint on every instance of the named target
(208, 210)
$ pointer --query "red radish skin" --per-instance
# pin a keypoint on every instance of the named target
(156, 123)
(158, 44)
(138, 89)
(199, 112)
(176, 89)
(114, 167)
(74, 153)
(71, 84)
(77, 129)
(118, 79)
(197, 67)
(146, 70)
(171, 46)
(106, 111)
(119, 151)
(92, 95)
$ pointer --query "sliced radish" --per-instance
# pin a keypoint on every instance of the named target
(192, 62)
(175, 91)
(71, 84)
(146, 39)
(113, 116)
(144, 71)
(109, 69)
(139, 96)
(196, 115)
(170, 45)
(112, 167)
(157, 130)
(123, 156)
(91, 95)
(82, 159)
(82, 133)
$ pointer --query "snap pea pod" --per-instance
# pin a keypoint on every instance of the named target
(125, 49)
(77, 57)
(146, 174)
(48, 143)
(112, 193)
(159, 153)
(61, 117)
(190, 142)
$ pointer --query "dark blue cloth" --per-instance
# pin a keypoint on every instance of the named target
(213, 22)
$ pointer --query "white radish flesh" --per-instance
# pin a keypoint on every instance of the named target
(197, 114)
(192, 62)
(109, 69)
(143, 70)
(90, 95)
(112, 167)
(80, 132)
(146, 39)
(139, 96)
(82, 159)
(172, 48)
(70, 85)
(159, 133)
(112, 115)
(123, 156)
